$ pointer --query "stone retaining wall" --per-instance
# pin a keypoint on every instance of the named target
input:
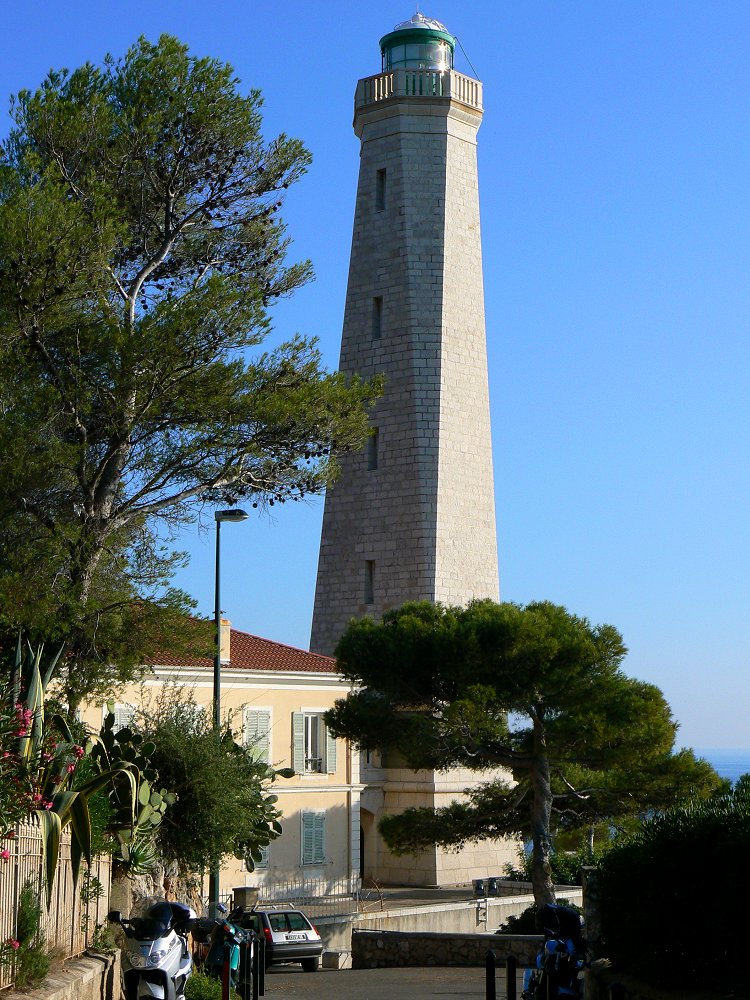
(391, 949)
(91, 977)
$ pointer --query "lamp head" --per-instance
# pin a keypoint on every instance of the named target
(235, 514)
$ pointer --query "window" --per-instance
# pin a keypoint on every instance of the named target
(314, 748)
(124, 715)
(380, 190)
(369, 581)
(372, 449)
(377, 317)
(257, 732)
(313, 838)
(263, 863)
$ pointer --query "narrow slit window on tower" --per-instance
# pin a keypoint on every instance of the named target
(372, 449)
(377, 317)
(380, 190)
(369, 581)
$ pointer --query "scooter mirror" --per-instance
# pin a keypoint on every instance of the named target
(114, 916)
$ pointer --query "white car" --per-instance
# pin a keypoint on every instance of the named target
(288, 933)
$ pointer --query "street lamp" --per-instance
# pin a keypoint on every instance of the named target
(233, 515)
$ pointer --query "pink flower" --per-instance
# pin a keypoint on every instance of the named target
(47, 804)
(70, 768)
(5, 854)
(15, 945)
(79, 752)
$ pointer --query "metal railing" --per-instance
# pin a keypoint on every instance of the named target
(69, 924)
(419, 83)
(319, 897)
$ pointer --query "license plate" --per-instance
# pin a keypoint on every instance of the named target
(297, 937)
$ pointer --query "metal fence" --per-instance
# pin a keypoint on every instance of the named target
(319, 897)
(74, 912)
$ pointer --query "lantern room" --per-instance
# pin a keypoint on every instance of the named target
(419, 43)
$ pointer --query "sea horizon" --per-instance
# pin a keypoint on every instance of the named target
(728, 762)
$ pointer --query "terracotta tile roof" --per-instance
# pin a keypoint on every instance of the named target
(250, 652)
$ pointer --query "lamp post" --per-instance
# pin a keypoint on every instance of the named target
(234, 515)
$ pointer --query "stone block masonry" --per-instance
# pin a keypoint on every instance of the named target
(419, 523)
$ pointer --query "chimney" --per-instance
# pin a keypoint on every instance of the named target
(225, 640)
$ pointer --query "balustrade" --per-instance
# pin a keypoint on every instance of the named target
(419, 83)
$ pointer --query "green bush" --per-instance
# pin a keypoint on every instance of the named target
(30, 961)
(202, 987)
(674, 896)
(525, 922)
(566, 866)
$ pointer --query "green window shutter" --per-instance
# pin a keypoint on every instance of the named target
(330, 752)
(258, 733)
(298, 743)
(313, 838)
(319, 837)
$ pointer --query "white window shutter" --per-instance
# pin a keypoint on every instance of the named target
(258, 733)
(298, 742)
(124, 715)
(330, 752)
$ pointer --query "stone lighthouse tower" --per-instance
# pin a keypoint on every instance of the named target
(412, 517)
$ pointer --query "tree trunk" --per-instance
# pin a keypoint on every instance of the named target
(541, 811)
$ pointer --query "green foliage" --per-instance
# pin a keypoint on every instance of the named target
(203, 987)
(103, 940)
(135, 834)
(30, 960)
(587, 744)
(566, 866)
(654, 922)
(525, 922)
(141, 246)
(224, 805)
(46, 758)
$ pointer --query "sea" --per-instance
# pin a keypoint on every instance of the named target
(728, 763)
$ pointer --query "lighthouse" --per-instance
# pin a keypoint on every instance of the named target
(412, 517)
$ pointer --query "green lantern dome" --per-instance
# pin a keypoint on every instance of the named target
(419, 43)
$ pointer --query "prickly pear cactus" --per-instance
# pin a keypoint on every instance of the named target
(134, 833)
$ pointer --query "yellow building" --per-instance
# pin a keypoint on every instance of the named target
(277, 695)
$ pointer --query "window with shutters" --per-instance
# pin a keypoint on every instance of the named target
(257, 732)
(124, 715)
(313, 747)
(313, 838)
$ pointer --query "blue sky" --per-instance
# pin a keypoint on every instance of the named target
(614, 161)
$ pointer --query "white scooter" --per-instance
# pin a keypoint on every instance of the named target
(156, 960)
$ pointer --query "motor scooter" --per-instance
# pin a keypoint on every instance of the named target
(561, 957)
(156, 960)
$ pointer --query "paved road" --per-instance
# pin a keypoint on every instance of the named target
(377, 984)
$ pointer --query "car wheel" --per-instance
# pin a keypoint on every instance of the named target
(309, 964)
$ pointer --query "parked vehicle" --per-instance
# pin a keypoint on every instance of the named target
(560, 958)
(156, 961)
(289, 935)
(225, 933)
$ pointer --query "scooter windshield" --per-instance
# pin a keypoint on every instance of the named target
(156, 924)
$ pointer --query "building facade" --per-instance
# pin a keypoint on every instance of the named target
(275, 696)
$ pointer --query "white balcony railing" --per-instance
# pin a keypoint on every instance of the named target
(419, 83)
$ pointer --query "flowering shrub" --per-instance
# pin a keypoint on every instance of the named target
(16, 786)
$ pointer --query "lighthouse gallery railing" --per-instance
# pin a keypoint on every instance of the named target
(419, 83)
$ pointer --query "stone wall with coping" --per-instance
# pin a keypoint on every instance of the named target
(392, 949)
(465, 917)
(91, 977)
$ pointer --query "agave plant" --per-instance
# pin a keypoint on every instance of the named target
(46, 755)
